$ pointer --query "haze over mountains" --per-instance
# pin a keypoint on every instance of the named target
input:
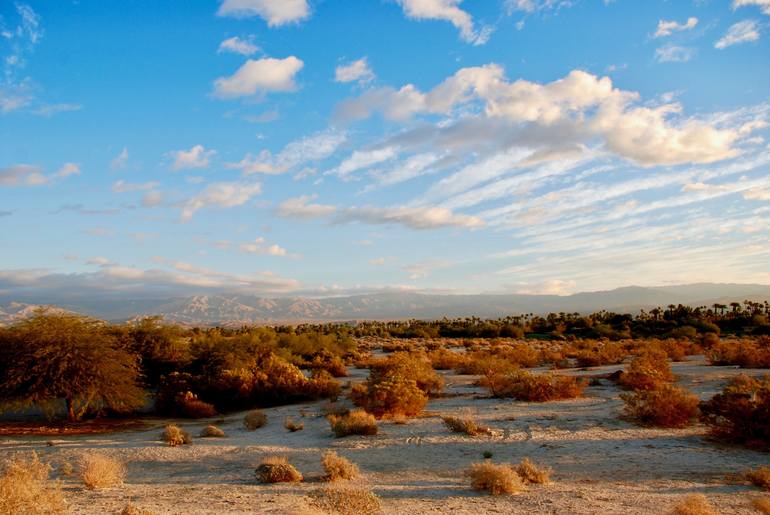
(232, 309)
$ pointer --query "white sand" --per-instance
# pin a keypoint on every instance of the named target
(601, 464)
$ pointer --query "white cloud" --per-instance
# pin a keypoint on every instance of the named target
(127, 187)
(220, 194)
(22, 175)
(666, 28)
(412, 217)
(49, 110)
(674, 54)
(120, 160)
(758, 193)
(446, 10)
(258, 246)
(315, 147)
(377, 261)
(358, 70)
(67, 169)
(580, 105)
(196, 157)
(741, 32)
(532, 6)
(362, 159)
(274, 12)
(764, 5)
(300, 207)
(258, 77)
(237, 45)
(152, 199)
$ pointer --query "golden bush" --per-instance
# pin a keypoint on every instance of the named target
(26, 490)
(665, 406)
(337, 467)
(101, 471)
(254, 419)
(357, 422)
(277, 469)
(495, 479)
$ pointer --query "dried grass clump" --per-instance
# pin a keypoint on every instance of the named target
(741, 412)
(526, 386)
(346, 501)
(130, 509)
(495, 479)
(254, 420)
(533, 473)
(175, 435)
(761, 504)
(693, 504)
(293, 426)
(647, 371)
(26, 490)
(760, 477)
(357, 422)
(212, 431)
(277, 469)
(465, 424)
(665, 406)
(100, 471)
(337, 467)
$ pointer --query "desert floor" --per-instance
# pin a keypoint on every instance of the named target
(601, 464)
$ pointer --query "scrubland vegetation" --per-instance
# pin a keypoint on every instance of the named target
(399, 373)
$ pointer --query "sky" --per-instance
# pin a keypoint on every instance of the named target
(332, 147)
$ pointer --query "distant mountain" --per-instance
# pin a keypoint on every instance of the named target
(224, 309)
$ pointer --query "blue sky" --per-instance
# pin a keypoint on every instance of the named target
(317, 147)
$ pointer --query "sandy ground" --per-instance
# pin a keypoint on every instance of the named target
(601, 464)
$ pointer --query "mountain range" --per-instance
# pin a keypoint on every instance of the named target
(237, 309)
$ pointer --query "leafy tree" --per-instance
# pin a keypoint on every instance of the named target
(51, 357)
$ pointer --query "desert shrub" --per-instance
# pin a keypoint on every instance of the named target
(746, 352)
(26, 490)
(332, 364)
(759, 477)
(530, 472)
(100, 471)
(693, 504)
(465, 424)
(277, 469)
(481, 362)
(741, 412)
(357, 422)
(526, 386)
(647, 371)
(346, 501)
(389, 396)
(293, 426)
(323, 385)
(495, 479)
(130, 509)
(175, 435)
(188, 405)
(518, 354)
(445, 359)
(254, 419)
(665, 406)
(337, 467)
(608, 353)
(211, 431)
(761, 504)
(414, 366)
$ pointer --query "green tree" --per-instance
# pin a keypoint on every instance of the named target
(52, 358)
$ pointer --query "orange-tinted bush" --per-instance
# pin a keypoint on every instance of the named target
(746, 352)
(357, 422)
(188, 405)
(390, 397)
(664, 406)
(607, 353)
(413, 366)
(741, 412)
(647, 371)
(445, 359)
(529, 387)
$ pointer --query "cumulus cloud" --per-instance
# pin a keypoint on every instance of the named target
(302, 208)
(274, 12)
(259, 246)
(309, 149)
(237, 45)
(152, 199)
(22, 175)
(581, 105)
(764, 5)
(196, 157)
(741, 32)
(67, 169)
(220, 194)
(259, 76)
(666, 28)
(674, 54)
(446, 10)
(358, 71)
